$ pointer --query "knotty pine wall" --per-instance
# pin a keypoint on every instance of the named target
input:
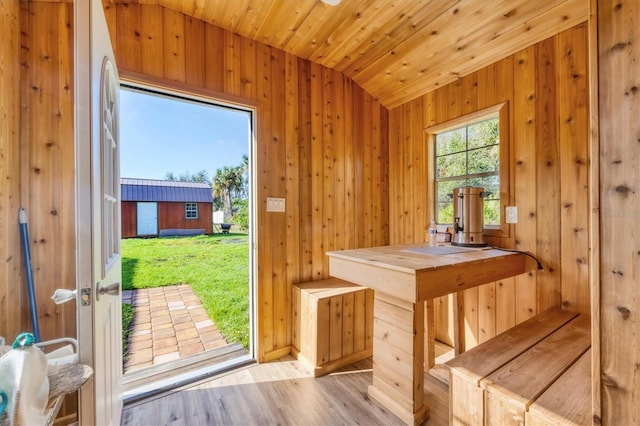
(321, 144)
(616, 331)
(546, 88)
(12, 316)
(37, 164)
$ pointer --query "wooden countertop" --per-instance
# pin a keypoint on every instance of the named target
(417, 272)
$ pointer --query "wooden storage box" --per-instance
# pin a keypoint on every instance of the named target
(524, 368)
(332, 324)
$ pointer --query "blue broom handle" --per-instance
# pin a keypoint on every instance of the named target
(24, 233)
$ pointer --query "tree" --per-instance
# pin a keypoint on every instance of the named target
(202, 177)
(226, 182)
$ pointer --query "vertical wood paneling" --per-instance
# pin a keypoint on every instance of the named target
(349, 167)
(383, 208)
(214, 67)
(317, 223)
(524, 112)
(505, 297)
(12, 300)
(231, 60)
(305, 254)
(419, 168)
(292, 172)
(328, 163)
(395, 185)
(277, 244)
(152, 41)
(265, 302)
(128, 36)
(248, 74)
(573, 135)
(618, 294)
(128, 219)
(594, 217)
(320, 144)
(367, 173)
(48, 157)
(407, 175)
(110, 17)
(195, 71)
(171, 216)
(548, 175)
(545, 89)
(487, 96)
(358, 156)
(172, 26)
(341, 220)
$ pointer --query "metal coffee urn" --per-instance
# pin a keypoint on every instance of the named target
(468, 216)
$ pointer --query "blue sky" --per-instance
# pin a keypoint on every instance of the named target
(159, 135)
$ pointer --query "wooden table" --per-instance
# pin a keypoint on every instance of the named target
(403, 277)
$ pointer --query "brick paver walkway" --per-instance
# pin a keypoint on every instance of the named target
(169, 323)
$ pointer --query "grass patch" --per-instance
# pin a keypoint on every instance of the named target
(127, 318)
(216, 267)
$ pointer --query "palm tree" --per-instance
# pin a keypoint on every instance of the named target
(225, 182)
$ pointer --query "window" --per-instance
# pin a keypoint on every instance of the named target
(472, 151)
(191, 210)
(469, 156)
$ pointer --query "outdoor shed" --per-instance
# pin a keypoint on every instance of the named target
(164, 208)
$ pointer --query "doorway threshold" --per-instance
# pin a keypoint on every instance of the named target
(157, 379)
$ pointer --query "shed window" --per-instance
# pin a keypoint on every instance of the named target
(191, 210)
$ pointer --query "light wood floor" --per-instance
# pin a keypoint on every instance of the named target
(282, 393)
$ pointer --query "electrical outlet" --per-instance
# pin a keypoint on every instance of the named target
(275, 204)
(511, 214)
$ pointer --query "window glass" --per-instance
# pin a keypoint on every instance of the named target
(191, 210)
(468, 156)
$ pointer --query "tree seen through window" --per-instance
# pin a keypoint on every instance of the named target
(468, 156)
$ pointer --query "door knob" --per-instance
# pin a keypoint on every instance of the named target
(111, 289)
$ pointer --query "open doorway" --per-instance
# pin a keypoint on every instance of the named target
(186, 237)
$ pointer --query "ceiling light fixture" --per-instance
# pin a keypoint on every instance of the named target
(331, 2)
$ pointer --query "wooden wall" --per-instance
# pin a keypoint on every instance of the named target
(546, 88)
(37, 163)
(616, 307)
(12, 298)
(321, 143)
(171, 216)
(128, 219)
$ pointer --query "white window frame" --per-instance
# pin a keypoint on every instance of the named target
(190, 208)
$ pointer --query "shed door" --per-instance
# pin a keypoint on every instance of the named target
(147, 219)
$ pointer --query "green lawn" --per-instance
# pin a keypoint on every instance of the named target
(216, 267)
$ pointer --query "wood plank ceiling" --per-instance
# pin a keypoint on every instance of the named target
(396, 50)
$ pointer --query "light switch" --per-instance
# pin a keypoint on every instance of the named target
(275, 204)
(511, 214)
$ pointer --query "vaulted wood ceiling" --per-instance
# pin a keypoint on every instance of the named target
(397, 50)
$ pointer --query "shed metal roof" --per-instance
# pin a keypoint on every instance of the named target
(164, 191)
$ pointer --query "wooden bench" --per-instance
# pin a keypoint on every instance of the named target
(516, 377)
(332, 324)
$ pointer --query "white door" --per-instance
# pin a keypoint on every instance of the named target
(98, 215)
(147, 219)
